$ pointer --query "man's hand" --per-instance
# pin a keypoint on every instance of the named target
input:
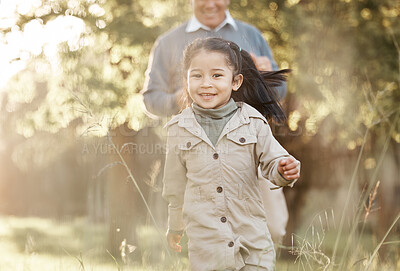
(262, 62)
(173, 241)
(289, 168)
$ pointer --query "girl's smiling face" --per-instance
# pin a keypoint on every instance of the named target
(210, 80)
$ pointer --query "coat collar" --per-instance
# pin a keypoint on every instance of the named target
(240, 118)
(187, 120)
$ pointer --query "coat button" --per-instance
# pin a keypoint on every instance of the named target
(230, 244)
(242, 140)
(215, 156)
(188, 144)
(223, 219)
(219, 189)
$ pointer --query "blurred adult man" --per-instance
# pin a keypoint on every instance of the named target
(163, 88)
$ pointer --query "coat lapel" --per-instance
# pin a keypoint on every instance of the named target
(240, 118)
(188, 121)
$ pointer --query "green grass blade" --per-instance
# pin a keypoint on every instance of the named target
(349, 196)
(381, 243)
(141, 195)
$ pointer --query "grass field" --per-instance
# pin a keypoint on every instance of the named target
(46, 245)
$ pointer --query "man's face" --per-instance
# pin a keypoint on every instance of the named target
(211, 13)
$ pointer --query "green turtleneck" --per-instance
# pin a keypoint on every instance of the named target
(214, 120)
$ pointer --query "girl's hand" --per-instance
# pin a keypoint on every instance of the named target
(289, 168)
(173, 241)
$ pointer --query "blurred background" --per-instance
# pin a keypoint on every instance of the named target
(80, 181)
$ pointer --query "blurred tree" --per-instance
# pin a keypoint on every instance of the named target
(344, 60)
(100, 59)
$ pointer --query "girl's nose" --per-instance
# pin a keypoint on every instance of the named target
(206, 83)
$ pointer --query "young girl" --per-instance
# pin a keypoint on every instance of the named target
(214, 149)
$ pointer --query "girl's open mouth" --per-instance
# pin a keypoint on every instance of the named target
(207, 96)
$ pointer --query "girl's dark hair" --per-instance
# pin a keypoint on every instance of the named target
(257, 88)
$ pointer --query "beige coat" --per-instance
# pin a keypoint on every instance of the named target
(213, 191)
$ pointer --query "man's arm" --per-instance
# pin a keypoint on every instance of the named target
(266, 51)
(159, 99)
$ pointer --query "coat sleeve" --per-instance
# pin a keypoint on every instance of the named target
(269, 153)
(174, 183)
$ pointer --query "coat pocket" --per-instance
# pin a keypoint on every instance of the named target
(189, 143)
(242, 139)
(241, 151)
(193, 152)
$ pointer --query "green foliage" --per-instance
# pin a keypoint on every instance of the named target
(103, 67)
(344, 59)
(342, 53)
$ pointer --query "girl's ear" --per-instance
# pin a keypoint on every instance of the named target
(237, 82)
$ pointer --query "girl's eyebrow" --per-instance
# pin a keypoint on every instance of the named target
(215, 69)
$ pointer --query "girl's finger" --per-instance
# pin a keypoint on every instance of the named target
(290, 166)
(291, 177)
(283, 162)
(177, 248)
(291, 172)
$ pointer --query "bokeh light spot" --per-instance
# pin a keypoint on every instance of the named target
(369, 163)
(366, 14)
